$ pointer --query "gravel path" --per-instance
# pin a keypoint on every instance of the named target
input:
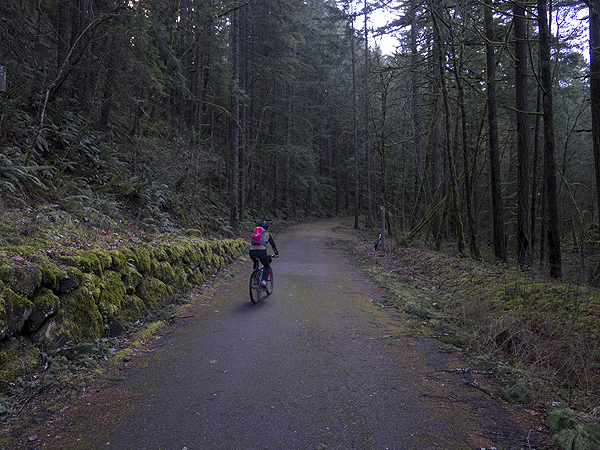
(316, 365)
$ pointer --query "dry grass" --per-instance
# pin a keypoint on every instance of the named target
(522, 324)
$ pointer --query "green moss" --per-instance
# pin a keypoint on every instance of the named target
(26, 279)
(118, 261)
(17, 358)
(83, 320)
(131, 279)
(159, 253)
(183, 252)
(196, 276)
(111, 294)
(163, 271)
(14, 311)
(180, 278)
(89, 262)
(98, 286)
(50, 276)
(130, 257)
(71, 279)
(4, 272)
(571, 431)
(132, 307)
(104, 257)
(195, 255)
(193, 233)
(151, 291)
(45, 304)
(142, 258)
(70, 260)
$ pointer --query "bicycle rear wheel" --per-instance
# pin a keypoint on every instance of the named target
(255, 287)
(269, 280)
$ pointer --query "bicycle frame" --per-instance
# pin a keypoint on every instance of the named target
(256, 288)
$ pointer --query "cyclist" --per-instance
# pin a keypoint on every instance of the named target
(258, 249)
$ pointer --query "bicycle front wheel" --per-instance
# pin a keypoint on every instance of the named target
(255, 287)
(269, 280)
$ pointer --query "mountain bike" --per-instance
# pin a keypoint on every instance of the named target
(256, 288)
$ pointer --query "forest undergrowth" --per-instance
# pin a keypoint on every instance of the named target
(538, 335)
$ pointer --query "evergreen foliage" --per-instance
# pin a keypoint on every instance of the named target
(172, 115)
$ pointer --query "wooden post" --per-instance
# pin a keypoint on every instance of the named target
(382, 226)
(2, 79)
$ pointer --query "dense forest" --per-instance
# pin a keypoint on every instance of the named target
(476, 130)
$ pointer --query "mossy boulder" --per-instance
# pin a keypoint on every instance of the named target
(104, 257)
(141, 259)
(191, 232)
(5, 272)
(89, 262)
(45, 304)
(50, 276)
(70, 260)
(180, 277)
(71, 279)
(176, 252)
(94, 261)
(14, 311)
(159, 253)
(112, 291)
(133, 307)
(131, 279)
(51, 334)
(152, 291)
(82, 320)
(195, 276)
(118, 261)
(163, 271)
(18, 357)
(25, 279)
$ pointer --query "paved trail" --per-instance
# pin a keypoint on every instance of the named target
(310, 367)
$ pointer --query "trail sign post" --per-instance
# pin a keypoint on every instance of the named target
(382, 226)
(2, 79)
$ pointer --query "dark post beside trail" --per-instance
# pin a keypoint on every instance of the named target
(382, 226)
(381, 239)
(2, 79)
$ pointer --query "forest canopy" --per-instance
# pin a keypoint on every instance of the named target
(475, 130)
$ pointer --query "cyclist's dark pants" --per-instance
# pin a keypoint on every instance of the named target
(261, 255)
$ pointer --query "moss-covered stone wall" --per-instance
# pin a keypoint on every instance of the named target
(78, 297)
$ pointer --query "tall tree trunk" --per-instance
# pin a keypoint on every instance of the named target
(235, 114)
(552, 216)
(288, 143)
(468, 197)
(454, 208)
(417, 135)
(355, 128)
(109, 89)
(495, 173)
(524, 254)
(244, 122)
(594, 6)
(367, 120)
(64, 31)
(535, 171)
(435, 172)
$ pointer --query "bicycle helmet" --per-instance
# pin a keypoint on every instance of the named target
(264, 225)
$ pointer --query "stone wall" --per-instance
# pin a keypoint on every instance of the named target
(81, 297)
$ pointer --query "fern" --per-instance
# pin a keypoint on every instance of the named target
(572, 432)
(15, 174)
